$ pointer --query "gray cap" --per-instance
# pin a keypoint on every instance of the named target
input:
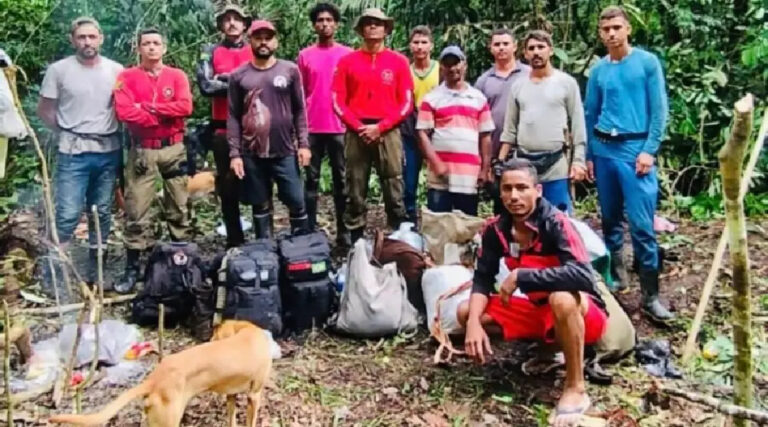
(453, 51)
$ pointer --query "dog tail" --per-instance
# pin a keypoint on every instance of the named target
(108, 412)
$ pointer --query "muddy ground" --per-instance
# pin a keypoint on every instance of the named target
(326, 380)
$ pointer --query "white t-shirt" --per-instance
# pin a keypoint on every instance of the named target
(85, 105)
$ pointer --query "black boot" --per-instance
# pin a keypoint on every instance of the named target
(230, 212)
(619, 272)
(128, 282)
(356, 234)
(262, 225)
(311, 204)
(343, 239)
(299, 225)
(652, 307)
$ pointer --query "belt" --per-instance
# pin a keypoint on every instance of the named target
(164, 142)
(370, 121)
(619, 137)
(218, 124)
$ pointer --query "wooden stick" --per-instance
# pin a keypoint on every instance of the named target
(7, 364)
(731, 159)
(709, 284)
(71, 363)
(722, 407)
(161, 331)
(72, 307)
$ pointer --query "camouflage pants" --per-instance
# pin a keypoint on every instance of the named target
(387, 157)
(141, 170)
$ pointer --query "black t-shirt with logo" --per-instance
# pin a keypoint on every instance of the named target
(280, 109)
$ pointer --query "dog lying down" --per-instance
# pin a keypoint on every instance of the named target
(237, 360)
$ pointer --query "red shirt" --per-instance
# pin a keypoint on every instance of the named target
(153, 107)
(374, 86)
(226, 59)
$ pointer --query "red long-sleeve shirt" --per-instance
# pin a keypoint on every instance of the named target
(373, 86)
(153, 107)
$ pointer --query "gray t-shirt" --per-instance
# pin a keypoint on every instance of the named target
(496, 91)
(85, 109)
(537, 115)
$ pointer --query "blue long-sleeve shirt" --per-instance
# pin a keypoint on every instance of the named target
(628, 96)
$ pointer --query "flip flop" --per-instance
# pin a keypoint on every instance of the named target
(570, 417)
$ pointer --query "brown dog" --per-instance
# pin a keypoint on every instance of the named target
(236, 360)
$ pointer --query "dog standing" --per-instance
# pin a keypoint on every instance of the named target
(237, 360)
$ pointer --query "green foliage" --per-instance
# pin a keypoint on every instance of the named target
(712, 52)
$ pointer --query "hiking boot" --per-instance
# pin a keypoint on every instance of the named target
(619, 272)
(652, 306)
(356, 234)
(299, 225)
(311, 204)
(127, 283)
(343, 240)
(262, 225)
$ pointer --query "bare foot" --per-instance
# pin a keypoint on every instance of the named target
(572, 405)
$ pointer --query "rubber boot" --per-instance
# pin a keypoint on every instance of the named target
(230, 212)
(619, 272)
(343, 239)
(356, 234)
(262, 225)
(311, 203)
(128, 282)
(652, 307)
(299, 225)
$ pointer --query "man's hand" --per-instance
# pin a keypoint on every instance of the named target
(223, 77)
(590, 171)
(508, 287)
(369, 133)
(439, 167)
(304, 157)
(476, 341)
(236, 164)
(578, 173)
(484, 177)
(643, 164)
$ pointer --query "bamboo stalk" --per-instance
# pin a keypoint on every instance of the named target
(709, 284)
(161, 331)
(731, 159)
(738, 412)
(72, 357)
(72, 307)
(7, 364)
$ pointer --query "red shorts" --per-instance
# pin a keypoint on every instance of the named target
(522, 319)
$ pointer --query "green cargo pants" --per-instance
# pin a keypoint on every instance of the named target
(387, 157)
(141, 170)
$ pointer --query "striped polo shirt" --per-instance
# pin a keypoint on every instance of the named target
(457, 118)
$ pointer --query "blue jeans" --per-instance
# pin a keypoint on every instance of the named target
(620, 190)
(445, 201)
(411, 175)
(260, 173)
(89, 178)
(558, 194)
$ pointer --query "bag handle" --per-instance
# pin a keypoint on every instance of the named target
(437, 331)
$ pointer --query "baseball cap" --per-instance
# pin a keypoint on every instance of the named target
(453, 51)
(261, 24)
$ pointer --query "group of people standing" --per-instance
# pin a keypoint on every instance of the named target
(364, 108)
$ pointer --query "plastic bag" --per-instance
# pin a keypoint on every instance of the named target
(115, 338)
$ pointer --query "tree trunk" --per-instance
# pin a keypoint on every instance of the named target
(731, 158)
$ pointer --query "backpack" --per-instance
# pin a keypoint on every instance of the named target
(240, 291)
(200, 321)
(173, 270)
(374, 302)
(307, 290)
(305, 257)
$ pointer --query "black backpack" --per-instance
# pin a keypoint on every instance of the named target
(308, 294)
(172, 271)
(305, 257)
(248, 275)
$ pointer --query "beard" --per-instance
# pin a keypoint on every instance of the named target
(538, 63)
(88, 53)
(263, 52)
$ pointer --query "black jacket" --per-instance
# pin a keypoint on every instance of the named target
(554, 236)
